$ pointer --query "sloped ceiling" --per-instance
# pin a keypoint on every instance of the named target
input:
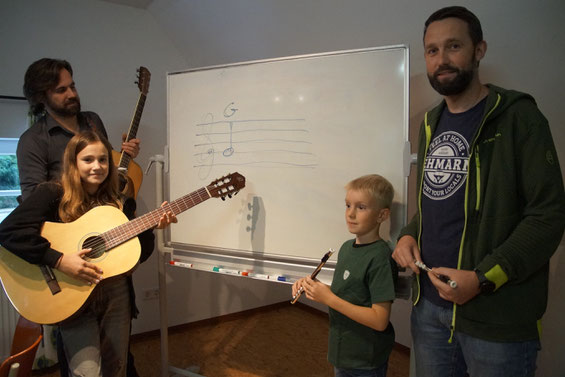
(142, 4)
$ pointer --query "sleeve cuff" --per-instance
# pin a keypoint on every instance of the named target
(51, 257)
(497, 275)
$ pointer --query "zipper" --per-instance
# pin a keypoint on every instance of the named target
(428, 132)
(478, 180)
(476, 155)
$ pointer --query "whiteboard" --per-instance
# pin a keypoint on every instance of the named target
(299, 129)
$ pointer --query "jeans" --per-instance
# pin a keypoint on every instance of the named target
(96, 340)
(436, 357)
(377, 372)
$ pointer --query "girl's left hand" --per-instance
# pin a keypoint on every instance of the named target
(167, 218)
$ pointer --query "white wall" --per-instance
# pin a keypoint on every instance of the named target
(106, 42)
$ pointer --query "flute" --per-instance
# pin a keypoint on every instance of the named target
(314, 274)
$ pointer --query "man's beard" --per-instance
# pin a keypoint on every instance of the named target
(71, 107)
(456, 85)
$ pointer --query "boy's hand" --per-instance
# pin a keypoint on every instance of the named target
(406, 252)
(296, 286)
(317, 291)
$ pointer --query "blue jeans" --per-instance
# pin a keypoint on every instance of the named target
(436, 357)
(377, 372)
(96, 340)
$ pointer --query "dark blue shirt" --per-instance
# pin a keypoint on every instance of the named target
(445, 175)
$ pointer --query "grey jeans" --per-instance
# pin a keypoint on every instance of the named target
(96, 340)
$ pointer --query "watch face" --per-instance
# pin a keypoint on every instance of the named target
(487, 286)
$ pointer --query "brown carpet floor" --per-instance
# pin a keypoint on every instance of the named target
(276, 340)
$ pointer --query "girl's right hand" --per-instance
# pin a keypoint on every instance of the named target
(76, 267)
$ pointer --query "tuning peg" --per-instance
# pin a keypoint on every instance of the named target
(223, 198)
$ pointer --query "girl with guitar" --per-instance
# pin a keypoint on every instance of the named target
(96, 338)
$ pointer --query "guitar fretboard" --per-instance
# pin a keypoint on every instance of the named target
(125, 158)
(126, 231)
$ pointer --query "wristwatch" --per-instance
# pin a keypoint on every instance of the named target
(485, 285)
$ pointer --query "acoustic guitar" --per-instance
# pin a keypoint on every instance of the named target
(115, 248)
(129, 171)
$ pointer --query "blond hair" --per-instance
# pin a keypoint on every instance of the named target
(76, 201)
(376, 186)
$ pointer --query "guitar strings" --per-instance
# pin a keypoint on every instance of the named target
(116, 236)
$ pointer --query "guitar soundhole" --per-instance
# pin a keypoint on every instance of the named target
(97, 245)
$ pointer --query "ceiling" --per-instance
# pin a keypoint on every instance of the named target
(142, 4)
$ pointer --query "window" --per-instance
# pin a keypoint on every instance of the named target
(9, 179)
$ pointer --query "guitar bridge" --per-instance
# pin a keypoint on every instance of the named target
(50, 279)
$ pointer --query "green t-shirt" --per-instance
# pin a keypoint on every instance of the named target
(364, 275)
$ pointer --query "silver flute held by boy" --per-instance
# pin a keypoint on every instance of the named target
(314, 274)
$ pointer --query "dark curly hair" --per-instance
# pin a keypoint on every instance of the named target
(41, 76)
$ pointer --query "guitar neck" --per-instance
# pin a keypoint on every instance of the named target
(126, 158)
(126, 231)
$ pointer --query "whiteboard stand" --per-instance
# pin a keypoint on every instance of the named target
(162, 251)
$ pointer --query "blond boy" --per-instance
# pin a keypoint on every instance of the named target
(361, 336)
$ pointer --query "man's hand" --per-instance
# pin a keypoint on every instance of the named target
(75, 266)
(467, 284)
(130, 147)
(406, 252)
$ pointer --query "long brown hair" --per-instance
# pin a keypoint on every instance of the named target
(76, 201)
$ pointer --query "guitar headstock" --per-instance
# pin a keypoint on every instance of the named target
(228, 185)
(143, 78)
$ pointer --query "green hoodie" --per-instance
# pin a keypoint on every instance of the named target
(514, 216)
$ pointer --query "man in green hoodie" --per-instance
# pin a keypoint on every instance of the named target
(491, 212)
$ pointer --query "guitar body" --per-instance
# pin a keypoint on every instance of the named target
(25, 285)
(133, 178)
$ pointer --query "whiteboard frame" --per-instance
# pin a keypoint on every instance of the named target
(205, 258)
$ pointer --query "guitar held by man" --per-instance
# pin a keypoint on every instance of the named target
(130, 173)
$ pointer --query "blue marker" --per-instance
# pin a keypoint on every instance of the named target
(281, 278)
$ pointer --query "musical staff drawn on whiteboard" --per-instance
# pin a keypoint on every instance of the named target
(262, 143)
